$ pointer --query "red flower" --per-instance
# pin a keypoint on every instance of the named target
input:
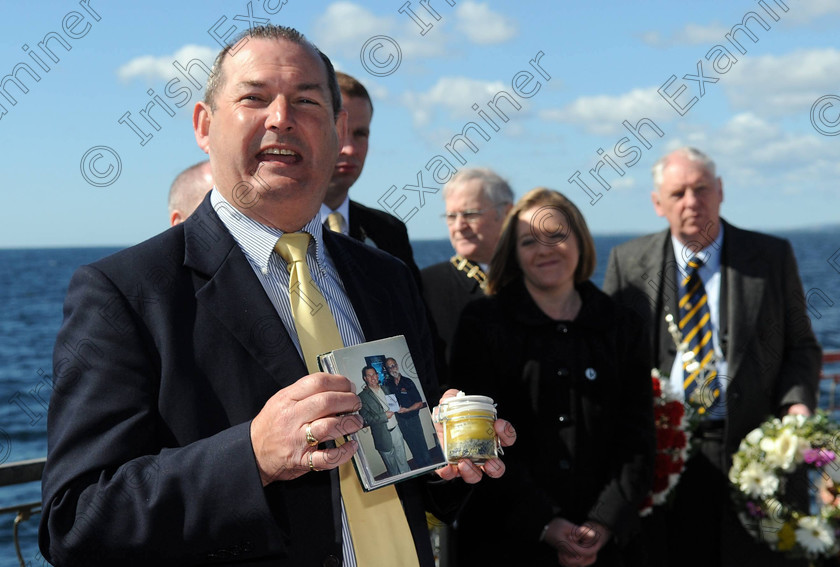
(657, 387)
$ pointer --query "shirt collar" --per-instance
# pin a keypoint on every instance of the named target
(710, 255)
(256, 239)
(343, 208)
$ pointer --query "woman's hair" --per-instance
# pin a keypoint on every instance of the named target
(504, 266)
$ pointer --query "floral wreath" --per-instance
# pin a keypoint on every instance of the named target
(773, 461)
(672, 436)
(675, 421)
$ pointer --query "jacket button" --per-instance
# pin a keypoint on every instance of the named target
(562, 372)
(562, 328)
(332, 561)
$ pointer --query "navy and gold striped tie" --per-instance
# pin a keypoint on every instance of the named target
(696, 327)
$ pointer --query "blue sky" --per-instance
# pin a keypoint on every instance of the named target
(768, 120)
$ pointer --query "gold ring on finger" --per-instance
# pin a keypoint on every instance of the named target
(311, 466)
(310, 439)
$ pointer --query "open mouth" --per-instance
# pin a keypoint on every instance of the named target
(279, 155)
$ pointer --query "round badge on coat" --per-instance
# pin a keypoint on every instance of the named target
(590, 373)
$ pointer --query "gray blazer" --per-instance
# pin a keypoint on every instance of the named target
(772, 354)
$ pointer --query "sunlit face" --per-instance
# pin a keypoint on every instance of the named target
(474, 238)
(272, 137)
(354, 148)
(690, 199)
(546, 249)
(392, 367)
(371, 378)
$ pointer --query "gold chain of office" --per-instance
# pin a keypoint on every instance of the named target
(470, 269)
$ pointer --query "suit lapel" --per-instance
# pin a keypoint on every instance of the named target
(361, 280)
(354, 223)
(236, 297)
(657, 267)
(745, 281)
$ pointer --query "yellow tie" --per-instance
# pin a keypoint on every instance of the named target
(335, 221)
(377, 521)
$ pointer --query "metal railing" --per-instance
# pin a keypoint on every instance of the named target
(18, 473)
(30, 471)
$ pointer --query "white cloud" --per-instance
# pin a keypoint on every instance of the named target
(160, 68)
(753, 153)
(347, 25)
(690, 34)
(603, 114)
(344, 27)
(455, 95)
(481, 25)
(784, 84)
(806, 12)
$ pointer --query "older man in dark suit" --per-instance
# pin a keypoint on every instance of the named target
(476, 201)
(187, 425)
(764, 360)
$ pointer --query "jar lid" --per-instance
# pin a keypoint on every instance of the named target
(463, 402)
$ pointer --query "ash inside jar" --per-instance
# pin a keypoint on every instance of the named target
(476, 450)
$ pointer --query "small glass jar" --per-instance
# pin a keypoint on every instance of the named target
(468, 431)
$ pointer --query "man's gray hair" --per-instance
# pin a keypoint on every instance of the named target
(691, 154)
(493, 186)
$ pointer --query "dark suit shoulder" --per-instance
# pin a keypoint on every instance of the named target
(375, 215)
(760, 241)
(639, 244)
(169, 242)
(437, 272)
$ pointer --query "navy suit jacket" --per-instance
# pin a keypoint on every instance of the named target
(383, 229)
(167, 351)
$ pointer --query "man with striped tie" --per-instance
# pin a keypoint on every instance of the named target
(737, 299)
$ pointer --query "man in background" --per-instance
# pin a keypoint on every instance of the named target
(341, 214)
(187, 191)
(764, 359)
(477, 201)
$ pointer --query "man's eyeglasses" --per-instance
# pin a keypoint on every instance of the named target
(391, 366)
(470, 216)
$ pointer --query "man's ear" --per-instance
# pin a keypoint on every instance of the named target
(201, 125)
(657, 204)
(341, 127)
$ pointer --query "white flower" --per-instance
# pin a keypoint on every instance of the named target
(796, 420)
(769, 529)
(814, 534)
(754, 437)
(758, 482)
(784, 451)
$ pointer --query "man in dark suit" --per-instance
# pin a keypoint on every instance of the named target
(374, 227)
(184, 427)
(476, 200)
(766, 357)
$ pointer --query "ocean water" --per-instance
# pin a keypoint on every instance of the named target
(32, 288)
